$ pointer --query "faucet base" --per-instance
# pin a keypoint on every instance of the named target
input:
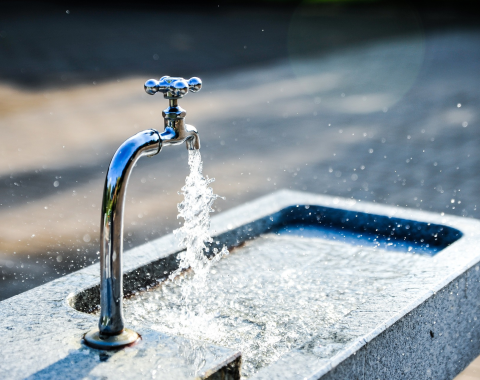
(114, 342)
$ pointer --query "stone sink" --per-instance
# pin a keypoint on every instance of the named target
(395, 296)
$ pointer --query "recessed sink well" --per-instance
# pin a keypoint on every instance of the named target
(314, 287)
(364, 229)
(310, 267)
(307, 221)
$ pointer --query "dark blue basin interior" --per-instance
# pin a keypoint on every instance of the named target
(346, 226)
(363, 229)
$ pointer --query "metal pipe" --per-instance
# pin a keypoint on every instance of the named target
(146, 143)
(111, 331)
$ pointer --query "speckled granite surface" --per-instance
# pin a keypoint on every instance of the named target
(408, 337)
(42, 340)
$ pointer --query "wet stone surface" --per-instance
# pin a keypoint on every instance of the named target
(279, 292)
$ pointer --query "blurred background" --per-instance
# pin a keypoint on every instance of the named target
(373, 100)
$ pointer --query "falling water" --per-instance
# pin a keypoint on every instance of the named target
(195, 210)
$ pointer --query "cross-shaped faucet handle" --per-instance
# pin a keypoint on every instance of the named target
(173, 87)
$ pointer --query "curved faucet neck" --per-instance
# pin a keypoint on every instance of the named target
(146, 143)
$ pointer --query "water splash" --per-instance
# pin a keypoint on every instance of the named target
(195, 209)
(277, 293)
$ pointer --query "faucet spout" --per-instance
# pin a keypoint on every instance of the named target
(193, 142)
(188, 135)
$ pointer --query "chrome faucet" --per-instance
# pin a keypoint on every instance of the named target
(111, 332)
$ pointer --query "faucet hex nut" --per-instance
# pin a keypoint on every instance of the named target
(174, 113)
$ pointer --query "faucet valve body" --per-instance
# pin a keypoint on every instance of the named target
(174, 88)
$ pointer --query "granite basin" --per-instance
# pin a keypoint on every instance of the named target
(420, 323)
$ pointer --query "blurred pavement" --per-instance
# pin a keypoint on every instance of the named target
(376, 103)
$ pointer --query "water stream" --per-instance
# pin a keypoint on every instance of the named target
(195, 210)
